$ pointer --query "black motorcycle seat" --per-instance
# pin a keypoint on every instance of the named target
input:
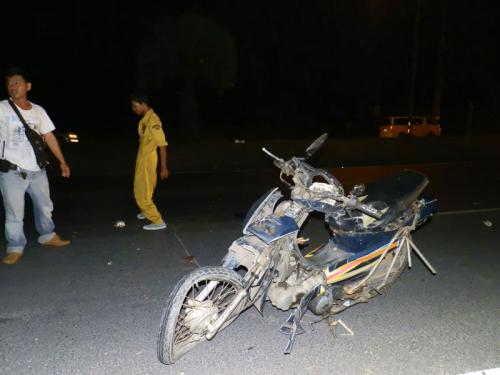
(397, 191)
(393, 193)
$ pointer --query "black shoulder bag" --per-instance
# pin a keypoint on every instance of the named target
(36, 140)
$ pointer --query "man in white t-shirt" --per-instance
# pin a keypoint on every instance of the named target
(23, 174)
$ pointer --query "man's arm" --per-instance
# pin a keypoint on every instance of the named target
(54, 147)
(163, 162)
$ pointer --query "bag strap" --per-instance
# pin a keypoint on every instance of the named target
(35, 139)
(14, 107)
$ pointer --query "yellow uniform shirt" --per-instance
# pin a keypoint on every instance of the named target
(151, 136)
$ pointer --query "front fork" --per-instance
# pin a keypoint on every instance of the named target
(214, 327)
(251, 278)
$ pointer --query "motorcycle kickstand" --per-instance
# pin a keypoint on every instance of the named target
(292, 326)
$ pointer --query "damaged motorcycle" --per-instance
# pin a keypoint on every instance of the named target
(369, 244)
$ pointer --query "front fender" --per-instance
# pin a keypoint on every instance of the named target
(243, 252)
(272, 228)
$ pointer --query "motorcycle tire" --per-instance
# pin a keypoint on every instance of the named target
(184, 320)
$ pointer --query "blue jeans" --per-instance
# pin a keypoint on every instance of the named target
(14, 187)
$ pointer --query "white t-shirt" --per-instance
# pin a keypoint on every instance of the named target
(14, 145)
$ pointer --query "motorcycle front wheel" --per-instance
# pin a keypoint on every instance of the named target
(197, 300)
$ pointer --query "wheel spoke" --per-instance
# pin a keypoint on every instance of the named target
(214, 290)
(223, 296)
(198, 300)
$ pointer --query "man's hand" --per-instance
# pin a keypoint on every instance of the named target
(163, 162)
(164, 173)
(54, 147)
(65, 172)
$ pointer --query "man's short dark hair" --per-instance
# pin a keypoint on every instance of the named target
(140, 97)
(17, 71)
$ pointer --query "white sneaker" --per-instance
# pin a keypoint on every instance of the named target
(153, 226)
(141, 216)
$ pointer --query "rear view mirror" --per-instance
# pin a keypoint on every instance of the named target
(316, 145)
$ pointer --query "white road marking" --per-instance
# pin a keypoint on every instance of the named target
(491, 371)
(460, 212)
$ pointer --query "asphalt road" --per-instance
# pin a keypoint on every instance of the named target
(94, 307)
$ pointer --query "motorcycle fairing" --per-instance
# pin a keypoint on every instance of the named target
(355, 246)
(328, 253)
(272, 228)
(350, 268)
(362, 243)
(325, 207)
(264, 206)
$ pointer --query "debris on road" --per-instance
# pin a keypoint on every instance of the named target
(488, 223)
(333, 325)
(119, 224)
(189, 259)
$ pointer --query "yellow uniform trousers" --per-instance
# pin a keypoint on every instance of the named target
(144, 185)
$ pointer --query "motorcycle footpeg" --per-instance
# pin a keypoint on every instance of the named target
(292, 326)
(289, 345)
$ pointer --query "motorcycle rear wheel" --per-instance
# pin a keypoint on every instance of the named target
(184, 321)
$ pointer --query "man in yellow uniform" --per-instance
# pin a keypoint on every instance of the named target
(151, 137)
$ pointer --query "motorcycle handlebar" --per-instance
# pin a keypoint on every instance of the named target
(370, 211)
(288, 169)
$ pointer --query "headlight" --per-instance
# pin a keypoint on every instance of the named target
(72, 138)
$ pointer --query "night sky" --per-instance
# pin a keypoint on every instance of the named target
(253, 69)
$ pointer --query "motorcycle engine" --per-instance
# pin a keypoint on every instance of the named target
(287, 293)
(320, 304)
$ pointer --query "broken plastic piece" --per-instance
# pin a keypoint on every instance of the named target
(334, 324)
